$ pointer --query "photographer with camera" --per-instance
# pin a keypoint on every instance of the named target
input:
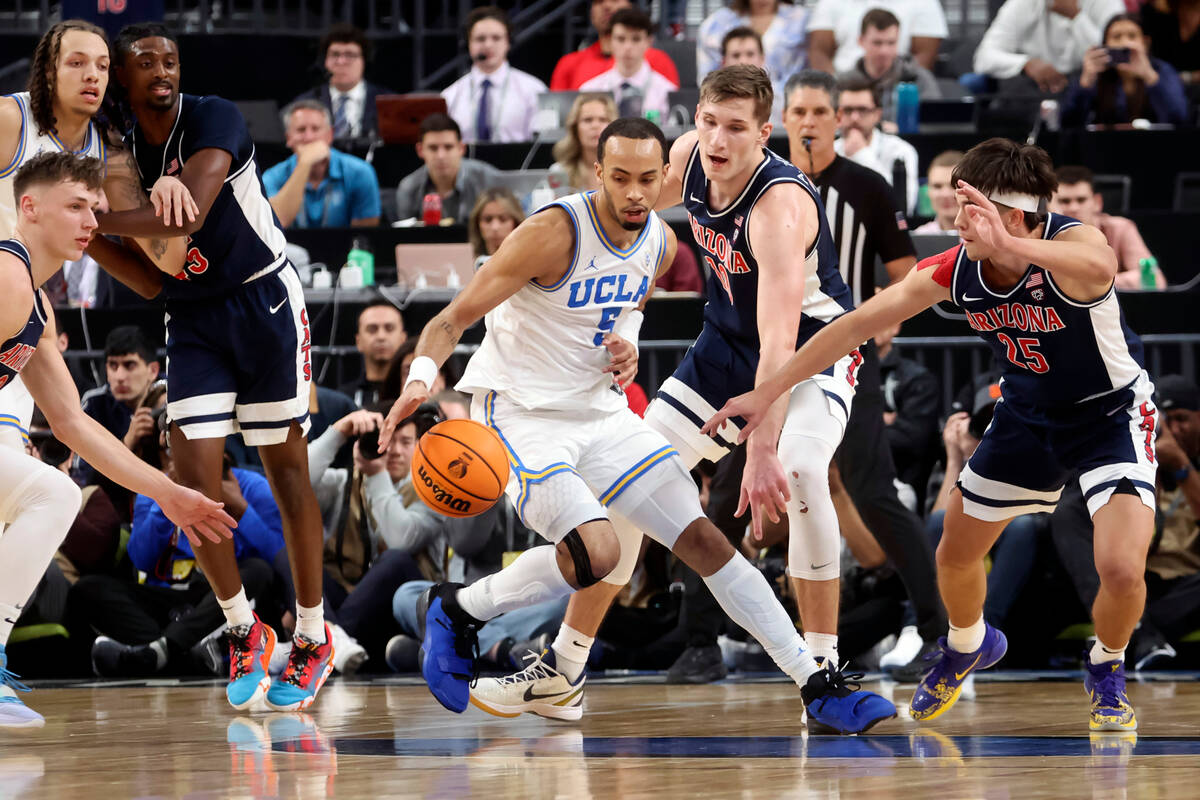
(1120, 81)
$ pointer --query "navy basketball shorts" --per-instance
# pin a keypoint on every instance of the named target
(1021, 465)
(240, 362)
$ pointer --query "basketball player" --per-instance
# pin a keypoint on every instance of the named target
(67, 82)
(1038, 288)
(56, 195)
(773, 281)
(564, 289)
(237, 345)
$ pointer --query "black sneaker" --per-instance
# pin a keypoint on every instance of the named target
(921, 663)
(1149, 650)
(698, 665)
(518, 651)
(401, 653)
(111, 659)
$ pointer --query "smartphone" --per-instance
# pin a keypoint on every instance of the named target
(1118, 55)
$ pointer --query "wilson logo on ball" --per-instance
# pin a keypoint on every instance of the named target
(441, 495)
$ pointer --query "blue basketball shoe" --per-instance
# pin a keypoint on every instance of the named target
(14, 713)
(940, 687)
(449, 646)
(1105, 684)
(836, 704)
(249, 654)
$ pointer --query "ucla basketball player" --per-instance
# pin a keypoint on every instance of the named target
(56, 195)
(1038, 288)
(773, 281)
(237, 346)
(565, 288)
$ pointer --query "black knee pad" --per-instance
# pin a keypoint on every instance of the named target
(580, 558)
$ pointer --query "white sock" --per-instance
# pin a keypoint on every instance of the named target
(571, 650)
(747, 598)
(237, 609)
(310, 622)
(533, 578)
(1101, 653)
(823, 645)
(968, 639)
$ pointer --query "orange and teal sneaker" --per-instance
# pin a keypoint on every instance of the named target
(249, 654)
(309, 665)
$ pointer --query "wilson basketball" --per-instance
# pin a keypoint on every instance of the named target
(460, 468)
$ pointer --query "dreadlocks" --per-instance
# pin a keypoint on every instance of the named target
(42, 75)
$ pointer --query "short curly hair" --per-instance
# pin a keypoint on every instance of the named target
(42, 73)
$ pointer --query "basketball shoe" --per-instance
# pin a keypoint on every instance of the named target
(1105, 684)
(943, 683)
(308, 668)
(13, 712)
(835, 703)
(538, 689)
(449, 645)
(249, 654)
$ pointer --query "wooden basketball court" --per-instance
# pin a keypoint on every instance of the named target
(639, 738)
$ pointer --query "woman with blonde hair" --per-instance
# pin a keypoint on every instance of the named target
(575, 153)
(496, 214)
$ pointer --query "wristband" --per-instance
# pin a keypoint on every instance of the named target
(422, 369)
(1181, 474)
(629, 327)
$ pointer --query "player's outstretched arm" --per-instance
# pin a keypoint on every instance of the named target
(203, 174)
(917, 292)
(672, 190)
(50, 383)
(541, 249)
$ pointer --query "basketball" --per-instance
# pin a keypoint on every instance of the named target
(460, 468)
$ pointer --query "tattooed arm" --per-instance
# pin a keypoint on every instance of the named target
(124, 192)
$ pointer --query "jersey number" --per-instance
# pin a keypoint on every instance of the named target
(1029, 357)
(196, 264)
(608, 318)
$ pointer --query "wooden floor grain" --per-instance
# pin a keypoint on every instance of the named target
(745, 740)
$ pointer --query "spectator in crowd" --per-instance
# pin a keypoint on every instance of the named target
(638, 89)
(379, 335)
(497, 213)
(456, 179)
(493, 102)
(782, 34)
(1032, 45)
(349, 97)
(941, 193)
(910, 417)
(575, 154)
(1076, 196)
(864, 143)
(575, 69)
(745, 46)
(882, 67)
(836, 25)
(1120, 81)
(320, 186)
(1174, 30)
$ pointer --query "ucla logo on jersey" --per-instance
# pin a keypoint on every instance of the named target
(606, 290)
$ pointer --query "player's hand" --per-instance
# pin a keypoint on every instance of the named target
(624, 359)
(764, 488)
(172, 201)
(140, 426)
(751, 406)
(197, 516)
(989, 228)
(356, 423)
(312, 153)
(413, 395)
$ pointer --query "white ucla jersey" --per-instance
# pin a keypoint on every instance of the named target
(34, 142)
(543, 348)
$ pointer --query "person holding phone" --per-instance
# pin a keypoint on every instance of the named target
(1121, 82)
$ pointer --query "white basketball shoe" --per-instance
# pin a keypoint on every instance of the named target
(538, 689)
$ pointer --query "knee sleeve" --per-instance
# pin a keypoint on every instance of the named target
(814, 541)
(580, 558)
(630, 538)
(661, 509)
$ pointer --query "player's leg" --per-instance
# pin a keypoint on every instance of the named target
(38, 503)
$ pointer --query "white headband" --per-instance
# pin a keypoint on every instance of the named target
(1025, 202)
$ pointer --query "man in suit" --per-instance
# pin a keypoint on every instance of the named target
(349, 97)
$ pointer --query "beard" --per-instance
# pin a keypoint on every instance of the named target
(629, 226)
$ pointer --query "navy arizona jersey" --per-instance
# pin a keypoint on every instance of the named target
(241, 235)
(1055, 352)
(18, 348)
(732, 293)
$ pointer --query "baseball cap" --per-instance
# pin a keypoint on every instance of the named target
(1176, 391)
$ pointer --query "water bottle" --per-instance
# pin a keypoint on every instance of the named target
(1149, 270)
(431, 209)
(908, 99)
(361, 256)
(654, 116)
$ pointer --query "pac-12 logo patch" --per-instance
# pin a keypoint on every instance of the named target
(458, 467)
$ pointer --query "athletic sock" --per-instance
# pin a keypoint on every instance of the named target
(571, 650)
(9, 614)
(533, 578)
(747, 598)
(968, 639)
(823, 646)
(1101, 653)
(310, 622)
(237, 610)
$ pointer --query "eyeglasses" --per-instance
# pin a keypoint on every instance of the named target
(344, 55)
(861, 110)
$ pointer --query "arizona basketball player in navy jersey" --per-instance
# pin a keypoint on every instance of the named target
(773, 282)
(56, 194)
(237, 345)
(1075, 400)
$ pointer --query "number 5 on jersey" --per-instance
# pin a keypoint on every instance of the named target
(1029, 357)
(608, 318)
